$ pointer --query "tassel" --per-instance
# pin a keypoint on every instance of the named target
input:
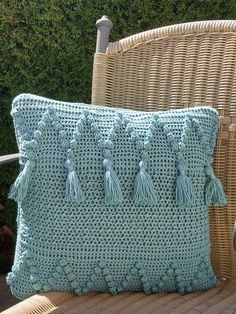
(20, 188)
(73, 187)
(144, 192)
(113, 193)
(184, 190)
(214, 191)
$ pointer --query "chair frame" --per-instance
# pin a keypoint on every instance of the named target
(104, 26)
(51, 300)
(103, 48)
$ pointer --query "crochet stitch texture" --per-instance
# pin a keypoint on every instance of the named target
(112, 199)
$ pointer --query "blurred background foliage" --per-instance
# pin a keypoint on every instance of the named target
(46, 48)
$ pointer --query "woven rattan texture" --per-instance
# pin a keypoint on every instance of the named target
(174, 67)
(112, 199)
(214, 301)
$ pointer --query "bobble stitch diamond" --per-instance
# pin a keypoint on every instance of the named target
(73, 190)
(214, 192)
(144, 192)
(112, 189)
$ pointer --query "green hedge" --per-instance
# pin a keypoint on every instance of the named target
(47, 46)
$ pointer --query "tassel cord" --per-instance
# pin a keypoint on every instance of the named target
(144, 192)
(112, 189)
(184, 189)
(20, 188)
(73, 191)
(214, 192)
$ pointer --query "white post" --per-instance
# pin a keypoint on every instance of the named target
(104, 26)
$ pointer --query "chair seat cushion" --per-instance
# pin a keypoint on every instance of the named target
(113, 200)
(221, 299)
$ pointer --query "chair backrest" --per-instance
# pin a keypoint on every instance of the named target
(180, 66)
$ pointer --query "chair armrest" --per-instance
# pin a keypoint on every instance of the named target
(234, 236)
(8, 158)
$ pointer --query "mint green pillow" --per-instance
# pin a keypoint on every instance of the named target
(112, 199)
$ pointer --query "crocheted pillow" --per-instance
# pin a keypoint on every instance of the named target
(112, 199)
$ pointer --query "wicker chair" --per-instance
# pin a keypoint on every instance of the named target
(170, 67)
